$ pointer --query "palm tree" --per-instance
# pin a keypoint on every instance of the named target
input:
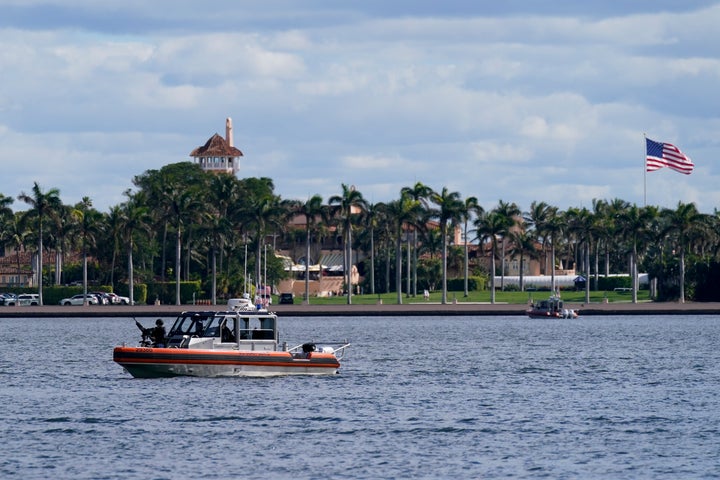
(214, 231)
(509, 212)
(311, 210)
(582, 224)
(349, 205)
(184, 211)
(634, 224)
(371, 220)
(41, 204)
(14, 232)
(399, 212)
(89, 225)
(226, 190)
(420, 193)
(471, 208)
(449, 213)
(682, 222)
(135, 217)
(113, 233)
(7, 219)
(544, 220)
(523, 245)
(62, 238)
(5, 210)
(385, 229)
(489, 226)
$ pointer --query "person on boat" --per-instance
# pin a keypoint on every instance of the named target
(227, 334)
(158, 334)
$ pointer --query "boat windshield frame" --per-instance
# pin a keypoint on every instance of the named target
(227, 326)
(190, 323)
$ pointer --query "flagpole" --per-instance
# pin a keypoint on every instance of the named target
(645, 172)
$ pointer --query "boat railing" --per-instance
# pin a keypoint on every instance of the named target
(338, 347)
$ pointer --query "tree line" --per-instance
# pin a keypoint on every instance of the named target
(181, 223)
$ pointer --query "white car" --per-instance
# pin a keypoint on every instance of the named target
(28, 299)
(80, 299)
(118, 300)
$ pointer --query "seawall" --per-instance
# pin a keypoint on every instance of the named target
(410, 309)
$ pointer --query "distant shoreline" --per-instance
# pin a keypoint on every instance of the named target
(389, 310)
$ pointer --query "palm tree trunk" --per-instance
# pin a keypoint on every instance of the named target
(131, 285)
(492, 272)
(306, 301)
(58, 265)
(682, 275)
(372, 261)
(387, 268)
(398, 266)
(587, 274)
(415, 261)
(409, 267)
(163, 265)
(178, 249)
(349, 264)
(502, 266)
(552, 266)
(85, 280)
(112, 270)
(40, 265)
(634, 272)
(443, 232)
(465, 292)
(214, 276)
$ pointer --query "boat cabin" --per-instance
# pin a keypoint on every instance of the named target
(235, 330)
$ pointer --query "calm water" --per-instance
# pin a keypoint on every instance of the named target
(498, 397)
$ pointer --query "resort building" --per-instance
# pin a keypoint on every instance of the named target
(218, 155)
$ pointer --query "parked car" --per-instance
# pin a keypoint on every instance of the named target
(28, 299)
(8, 299)
(103, 298)
(80, 299)
(116, 299)
(286, 298)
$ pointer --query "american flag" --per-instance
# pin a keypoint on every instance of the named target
(661, 155)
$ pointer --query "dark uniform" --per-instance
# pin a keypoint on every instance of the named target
(158, 334)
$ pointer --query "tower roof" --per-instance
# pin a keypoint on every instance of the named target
(216, 146)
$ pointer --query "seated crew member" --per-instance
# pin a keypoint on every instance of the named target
(226, 335)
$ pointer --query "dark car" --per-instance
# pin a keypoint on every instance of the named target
(8, 299)
(286, 298)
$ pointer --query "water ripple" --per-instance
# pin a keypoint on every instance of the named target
(504, 397)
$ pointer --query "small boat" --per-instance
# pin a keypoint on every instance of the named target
(238, 342)
(550, 308)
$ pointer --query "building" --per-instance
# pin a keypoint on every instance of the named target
(218, 155)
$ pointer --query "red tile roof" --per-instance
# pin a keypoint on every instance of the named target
(216, 146)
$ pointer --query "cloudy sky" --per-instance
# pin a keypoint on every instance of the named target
(519, 100)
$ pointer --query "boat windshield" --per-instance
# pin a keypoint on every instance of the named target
(190, 324)
(218, 324)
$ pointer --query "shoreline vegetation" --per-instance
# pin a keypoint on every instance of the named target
(233, 235)
(476, 304)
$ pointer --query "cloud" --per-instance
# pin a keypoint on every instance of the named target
(518, 101)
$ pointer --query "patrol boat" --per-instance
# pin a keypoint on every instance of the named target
(550, 308)
(233, 343)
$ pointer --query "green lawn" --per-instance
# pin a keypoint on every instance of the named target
(520, 298)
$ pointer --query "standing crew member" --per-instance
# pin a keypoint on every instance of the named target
(158, 334)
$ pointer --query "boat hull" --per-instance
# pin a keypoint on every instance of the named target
(546, 314)
(144, 362)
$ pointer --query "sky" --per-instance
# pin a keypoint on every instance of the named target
(518, 101)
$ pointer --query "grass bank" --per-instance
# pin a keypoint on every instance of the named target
(519, 298)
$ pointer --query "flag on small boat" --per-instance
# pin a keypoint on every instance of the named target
(661, 155)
